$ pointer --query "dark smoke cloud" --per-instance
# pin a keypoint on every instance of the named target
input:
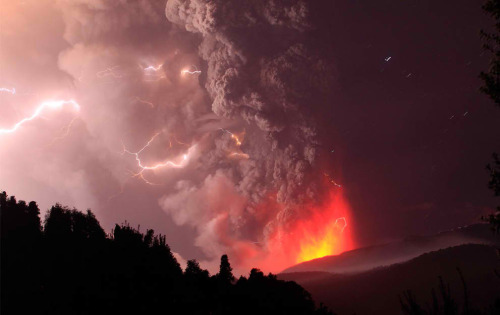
(261, 77)
(262, 69)
(259, 68)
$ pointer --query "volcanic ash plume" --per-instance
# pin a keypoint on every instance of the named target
(215, 109)
(266, 67)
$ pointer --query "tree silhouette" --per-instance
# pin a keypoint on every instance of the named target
(494, 184)
(19, 251)
(225, 274)
(491, 78)
(491, 87)
(72, 267)
(194, 271)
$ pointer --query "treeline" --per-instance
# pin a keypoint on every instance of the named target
(71, 266)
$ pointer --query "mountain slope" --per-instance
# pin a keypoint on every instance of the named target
(367, 258)
(376, 291)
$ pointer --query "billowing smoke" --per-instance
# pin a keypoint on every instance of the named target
(264, 67)
(216, 107)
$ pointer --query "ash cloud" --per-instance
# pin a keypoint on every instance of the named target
(267, 78)
(262, 68)
(261, 76)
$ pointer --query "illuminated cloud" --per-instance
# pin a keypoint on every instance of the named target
(238, 123)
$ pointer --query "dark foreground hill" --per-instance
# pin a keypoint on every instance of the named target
(377, 291)
(367, 258)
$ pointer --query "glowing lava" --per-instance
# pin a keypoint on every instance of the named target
(325, 232)
(38, 112)
(324, 244)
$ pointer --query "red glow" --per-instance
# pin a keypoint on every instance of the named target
(325, 231)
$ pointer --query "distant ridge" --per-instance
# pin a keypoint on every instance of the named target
(377, 291)
(367, 258)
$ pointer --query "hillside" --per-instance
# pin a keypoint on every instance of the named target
(376, 291)
(367, 258)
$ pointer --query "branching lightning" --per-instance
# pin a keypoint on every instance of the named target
(180, 163)
(39, 110)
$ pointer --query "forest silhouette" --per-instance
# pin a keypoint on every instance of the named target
(69, 265)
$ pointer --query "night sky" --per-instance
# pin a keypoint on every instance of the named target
(267, 121)
(414, 132)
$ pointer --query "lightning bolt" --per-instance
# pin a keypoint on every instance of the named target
(167, 163)
(109, 72)
(153, 68)
(65, 131)
(11, 91)
(138, 100)
(43, 106)
(144, 179)
(190, 72)
(153, 73)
